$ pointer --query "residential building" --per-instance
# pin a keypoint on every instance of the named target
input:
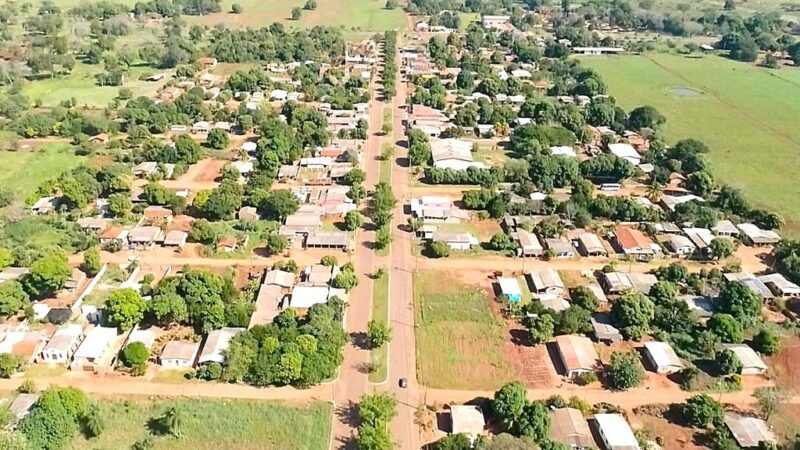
(780, 286)
(467, 419)
(280, 278)
(754, 236)
(626, 152)
(725, 228)
(216, 344)
(749, 431)
(303, 222)
(701, 238)
(529, 245)
(144, 337)
(320, 275)
(22, 404)
(751, 281)
(155, 215)
(62, 345)
(23, 344)
(560, 248)
(577, 354)
(752, 364)
(615, 432)
(615, 282)
(680, 245)
(590, 245)
(642, 282)
(179, 355)
(662, 357)
(45, 205)
(145, 236)
(604, 330)
(328, 239)
(94, 349)
(453, 154)
(268, 305)
(307, 296)
(546, 281)
(568, 427)
(456, 241)
(635, 244)
(176, 238)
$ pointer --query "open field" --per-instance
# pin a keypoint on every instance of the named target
(354, 15)
(453, 321)
(214, 424)
(746, 115)
(24, 170)
(81, 85)
(380, 311)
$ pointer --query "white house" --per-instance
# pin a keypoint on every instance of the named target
(662, 357)
(577, 354)
(179, 355)
(625, 151)
(752, 364)
(456, 241)
(615, 432)
(62, 345)
(453, 154)
(93, 349)
(216, 343)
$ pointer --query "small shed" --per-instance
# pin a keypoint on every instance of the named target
(603, 329)
(662, 357)
(509, 288)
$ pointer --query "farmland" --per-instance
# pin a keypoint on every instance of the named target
(24, 170)
(746, 115)
(452, 321)
(213, 424)
(354, 15)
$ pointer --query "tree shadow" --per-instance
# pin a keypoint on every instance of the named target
(157, 427)
(521, 337)
(360, 340)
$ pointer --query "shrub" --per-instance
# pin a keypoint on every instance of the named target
(585, 378)
(135, 356)
(439, 249)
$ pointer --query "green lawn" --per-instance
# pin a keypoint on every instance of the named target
(747, 115)
(354, 15)
(214, 424)
(380, 311)
(81, 85)
(386, 164)
(460, 341)
(24, 170)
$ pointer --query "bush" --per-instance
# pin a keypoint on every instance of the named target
(209, 372)
(439, 249)
(585, 378)
(135, 356)
(702, 410)
(767, 342)
(9, 365)
(728, 363)
(625, 371)
(236, 8)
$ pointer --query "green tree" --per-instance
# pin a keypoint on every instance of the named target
(329, 261)
(633, 313)
(377, 409)
(458, 441)
(726, 328)
(275, 244)
(357, 192)
(296, 13)
(135, 356)
(585, 298)
(738, 300)
(625, 371)
(236, 8)
(645, 117)
(353, 220)
(93, 422)
(354, 176)
(6, 257)
(701, 410)
(721, 248)
(218, 139)
(125, 308)
(383, 237)
(378, 333)
(374, 438)
(280, 203)
(439, 249)
(541, 328)
(168, 307)
(91, 261)
(345, 279)
(502, 242)
(13, 440)
(770, 399)
(728, 363)
(172, 421)
(534, 422)
(508, 404)
(119, 204)
(765, 341)
(47, 274)
(9, 365)
(12, 298)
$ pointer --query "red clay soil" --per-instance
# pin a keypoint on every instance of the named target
(204, 171)
(674, 436)
(785, 364)
(532, 364)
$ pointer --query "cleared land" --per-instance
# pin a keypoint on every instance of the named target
(460, 340)
(354, 15)
(24, 170)
(747, 116)
(215, 424)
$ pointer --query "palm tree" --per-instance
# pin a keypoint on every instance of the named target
(172, 420)
(242, 154)
(654, 191)
(501, 128)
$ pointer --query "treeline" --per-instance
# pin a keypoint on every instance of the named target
(389, 64)
(274, 43)
(170, 8)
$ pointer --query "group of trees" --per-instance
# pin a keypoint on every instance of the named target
(389, 63)
(375, 411)
(383, 203)
(274, 43)
(300, 351)
(56, 417)
(522, 417)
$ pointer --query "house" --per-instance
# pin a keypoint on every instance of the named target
(603, 329)
(45, 205)
(725, 228)
(13, 273)
(268, 305)
(227, 244)
(467, 419)
(529, 244)
(553, 302)
(748, 279)
(145, 169)
(577, 354)
(247, 213)
(642, 282)
(680, 245)
(453, 154)
(594, 51)
(303, 222)
(328, 239)
(752, 364)
(320, 275)
(560, 248)
(23, 344)
(145, 235)
(308, 296)
(626, 152)
(701, 238)
(615, 432)
(94, 224)
(435, 209)
(201, 127)
(62, 345)
(615, 282)
(93, 349)
(76, 278)
(179, 355)
(280, 278)
(568, 427)
(634, 244)
(700, 305)
(509, 288)
(456, 241)
(216, 343)
(590, 244)
(780, 286)
(546, 281)
(22, 404)
(500, 23)
(749, 431)
(175, 238)
(662, 357)
(145, 337)
(754, 236)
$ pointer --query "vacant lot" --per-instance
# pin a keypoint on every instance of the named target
(24, 170)
(746, 115)
(460, 341)
(355, 15)
(215, 424)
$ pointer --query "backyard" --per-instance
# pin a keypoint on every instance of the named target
(453, 320)
(214, 424)
(745, 114)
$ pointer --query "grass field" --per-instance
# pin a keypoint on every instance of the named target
(353, 15)
(81, 85)
(380, 311)
(24, 170)
(747, 116)
(460, 341)
(214, 424)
